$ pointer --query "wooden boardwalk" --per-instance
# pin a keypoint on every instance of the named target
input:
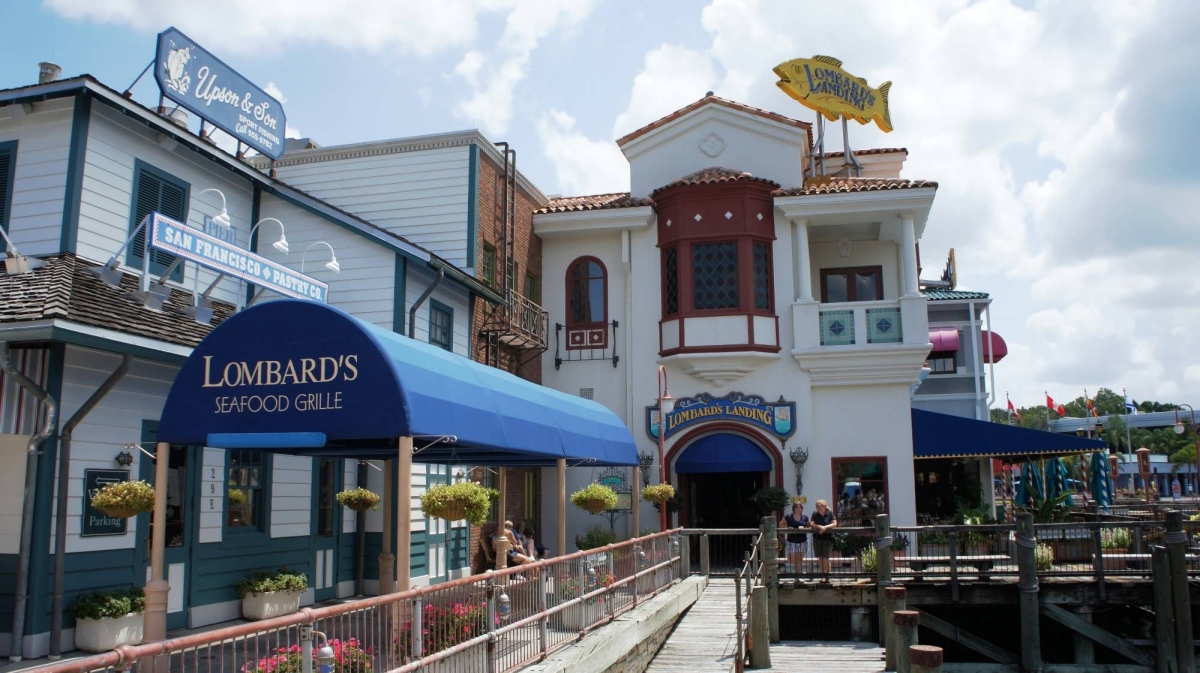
(704, 641)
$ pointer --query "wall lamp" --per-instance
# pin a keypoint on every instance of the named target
(281, 245)
(124, 459)
(645, 460)
(332, 264)
(222, 218)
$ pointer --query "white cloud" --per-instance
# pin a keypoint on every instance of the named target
(672, 77)
(274, 92)
(583, 166)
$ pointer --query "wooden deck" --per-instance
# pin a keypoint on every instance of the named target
(704, 641)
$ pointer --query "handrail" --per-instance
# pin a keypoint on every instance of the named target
(751, 573)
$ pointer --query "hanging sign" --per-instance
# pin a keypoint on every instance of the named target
(209, 251)
(202, 84)
(94, 522)
(819, 83)
(773, 417)
(614, 478)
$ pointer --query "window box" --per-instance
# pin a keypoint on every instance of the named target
(108, 633)
(270, 604)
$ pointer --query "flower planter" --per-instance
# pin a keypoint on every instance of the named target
(578, 617)
(977, 550)
(102, 635)
(270, 604)
(1111, 563)
(593, 506)
(1072, 550)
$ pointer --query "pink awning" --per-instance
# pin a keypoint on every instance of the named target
(998, 348)
(943, 340)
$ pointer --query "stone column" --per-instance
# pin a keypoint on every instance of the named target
(801, 253)
(908, 251)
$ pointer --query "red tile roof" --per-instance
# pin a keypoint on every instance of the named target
(714, 174)
(716, 100)
(874, 150)
(593, 202)
(846, 185)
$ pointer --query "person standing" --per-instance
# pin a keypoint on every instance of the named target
(794, 543)
(822, 521)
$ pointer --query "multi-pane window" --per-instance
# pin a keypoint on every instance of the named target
(326, 493)
(853, 284)
(715, 275)
(532, 291)
(441, 325)
(489, 264)
(942, 362)
(8, 169)
(671, 280)
(861, 489)
(587, 289)
(246, 498)
(514, 272)
(761, 254)
(154, 190)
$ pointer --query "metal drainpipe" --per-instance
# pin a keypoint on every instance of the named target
(22, 588)
(503, 270)
(412, 312)
(64, 480)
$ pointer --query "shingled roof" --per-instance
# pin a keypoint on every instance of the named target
(846, 185)
(65, 290)
(570, 204)
(874, 150)
(716, 100)
(713, 175)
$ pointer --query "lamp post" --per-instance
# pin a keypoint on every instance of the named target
(1179, 429)
(666, 404)
(281, 245)
(1143, 455)
(332, 264)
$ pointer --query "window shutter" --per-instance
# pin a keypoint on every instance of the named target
(6, 179)
(155, 194)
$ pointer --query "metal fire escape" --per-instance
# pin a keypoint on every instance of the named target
(515, 331)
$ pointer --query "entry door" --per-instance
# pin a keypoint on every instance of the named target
(181, 516)
(328, 527)
(435, 529)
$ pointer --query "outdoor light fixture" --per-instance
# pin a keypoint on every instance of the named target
(645, 460)
(326, 659)
(591, 577)
(222, 218)
(503, 606)
(15, 262)
(332, 264)
(124, 459)
(281, 245)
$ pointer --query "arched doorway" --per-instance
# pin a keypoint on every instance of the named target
(718, 472)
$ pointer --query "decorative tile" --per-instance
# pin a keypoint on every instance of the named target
(837, 328)
(883, 326)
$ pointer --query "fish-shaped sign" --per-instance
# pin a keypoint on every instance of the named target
(821, 84)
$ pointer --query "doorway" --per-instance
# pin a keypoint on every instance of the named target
(330, 473)
(435, 528)
(182, 466)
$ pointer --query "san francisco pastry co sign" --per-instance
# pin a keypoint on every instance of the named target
(773, 417)
(820, 84)
(203, 85)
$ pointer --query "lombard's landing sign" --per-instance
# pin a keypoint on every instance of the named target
(202, 84)
(773, 417)
(819, 83)
(179, 239)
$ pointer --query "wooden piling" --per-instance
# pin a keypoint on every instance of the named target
(925, 659)
(1185, 652)
(860, 624)
(1164, 615)
(903, 637)
(1085, 652)
(894, 600)
(883, 571)
(704, 565)
(760, 629)
(770, 559)
(1027, 584)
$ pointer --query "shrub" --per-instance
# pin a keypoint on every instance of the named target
(1115, 538)
(1043, 557)
(594, 498)
(108, 604)
(658, 493)
(443, 627)
(263, 582)
(124, 499)
(358, 499)
(770, 499)
(900, 542)
(348, 657)
(596, 536)
(869, 560)
(464, 500)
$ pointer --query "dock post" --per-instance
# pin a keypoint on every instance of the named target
(1027, 583)
(685, 557)
(704, 554)
(760, 630)
(883, 571)
(1185, 652)
(770, 558)
(925, 659)
(1164, 615)
(1085, 652)
(904, 636)
(860, 624)
(894, 600)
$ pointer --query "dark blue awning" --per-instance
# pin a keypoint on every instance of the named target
(944, 436)
(298, 369)
(722, 453)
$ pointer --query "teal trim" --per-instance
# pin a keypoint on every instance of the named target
(399, 294)
(953, 295)
(471, 327)
(65, 336)
(235, 535)
(255, 211)
(8, 149)
(472, 205)
(418, 557)
(37, 615)
(219, 567)
(76, 157)
(435, 307)
(133, 255)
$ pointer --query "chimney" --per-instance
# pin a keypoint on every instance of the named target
(48, 72)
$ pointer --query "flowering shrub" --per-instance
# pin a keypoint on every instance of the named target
(358, 499)
(265, 582)
(444, 627)
(464, 500)
(124, 499)
(594, 498)
(1043, 557)
(348, 657)
(658, 493)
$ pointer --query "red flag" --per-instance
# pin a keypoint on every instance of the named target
(1049, 402)
(1061, 410)
(1016, 414)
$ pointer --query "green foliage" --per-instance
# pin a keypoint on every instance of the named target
(108, 604)
(596, 536)
(1043, 557)
(869, 560)
(594, 498)
(1115, 538)
(658, 493)
(900, 542)
(358, 499)
(348, 657)
(850, 545)
(464, 500)
(1050, 510)
(262, 582)
(771, 499)
(443, 628)
(124, 499)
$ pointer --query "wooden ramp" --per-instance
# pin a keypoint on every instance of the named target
(704, 641)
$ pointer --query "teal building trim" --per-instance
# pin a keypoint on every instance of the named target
(472, 206)
(37, 615)
(80, 122)
(399, 294)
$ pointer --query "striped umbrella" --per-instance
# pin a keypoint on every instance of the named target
(1101, 480)
(1056, 480)
(1031, 485)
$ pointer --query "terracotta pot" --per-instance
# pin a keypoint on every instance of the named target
(102, 635)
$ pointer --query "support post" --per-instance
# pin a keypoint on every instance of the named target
(562, 506)
(803, 265)
(883, 571)
(894, 600)
(1085, 652)
(1185, 651)
(904, 636)
(636, 503)
(704, 554)
(770, 559)
(860, 624)
(155, 626)
(1164, 614)
(387, 561)
(925, 659)
(909, 253)
(404, 514)
(760, 631)
(501, 505)
(1027, 584)
(685, 557)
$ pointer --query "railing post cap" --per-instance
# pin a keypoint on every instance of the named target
(925, 655)
(894, 593)
(906, 618)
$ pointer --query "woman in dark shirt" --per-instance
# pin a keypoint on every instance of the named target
(794, 543)
(822, 521)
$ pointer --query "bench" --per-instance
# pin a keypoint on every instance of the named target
(983, 564)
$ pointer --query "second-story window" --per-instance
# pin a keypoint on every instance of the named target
(8, 169)
(671, 281)
(155, 190)
(532, 292)
(587, 304)
(852, 284)
(944, 362)
(441, 325)
(488, 273)
(715, 275)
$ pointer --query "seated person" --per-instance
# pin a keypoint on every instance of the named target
(516, 555)
(532, 548)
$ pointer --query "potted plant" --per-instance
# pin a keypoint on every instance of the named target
(596, 536)
(1114, 541)
(124, 499)
(271, 594)
(1043, 557)
(358, 499)
(868, 560)
(770, 499)
(658, 493)
(977, 543)
(899, 545)
(105, 620)
(464, 500)
(594, 498)
(934, 544)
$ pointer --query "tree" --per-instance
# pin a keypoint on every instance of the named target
(1183, 457)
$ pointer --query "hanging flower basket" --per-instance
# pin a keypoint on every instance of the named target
(358, 499)
(124, 499)
(464, 500)
(658, 493)
(594, 498)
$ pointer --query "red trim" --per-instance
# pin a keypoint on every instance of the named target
(594, 334)
(764, 442)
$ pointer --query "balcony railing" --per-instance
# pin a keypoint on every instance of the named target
(519, 323)
(848, 324)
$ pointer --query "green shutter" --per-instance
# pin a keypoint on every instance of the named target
(155, 191)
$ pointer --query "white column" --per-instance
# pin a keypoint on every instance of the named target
(803, 264)
(909, 252)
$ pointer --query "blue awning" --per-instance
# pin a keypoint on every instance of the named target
(292, 368)
(944, 436)
(722, 453)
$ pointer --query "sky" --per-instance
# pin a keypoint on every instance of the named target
(1062, 134)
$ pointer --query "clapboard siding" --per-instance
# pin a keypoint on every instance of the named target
(291, 496)
(418, 281)
(137, 397)
(219, 567)
(420, 195)
(114, 144)
(363, 288)
(39, 188)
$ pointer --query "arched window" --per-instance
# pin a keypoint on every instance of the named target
(587, 304)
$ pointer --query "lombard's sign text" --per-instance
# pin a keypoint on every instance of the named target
(235, 374)
(773, 417)
(819, 83)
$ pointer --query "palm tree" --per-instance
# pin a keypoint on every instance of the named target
(1182, 458)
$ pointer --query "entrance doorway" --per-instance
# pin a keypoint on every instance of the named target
(330, 475)
(182, 465)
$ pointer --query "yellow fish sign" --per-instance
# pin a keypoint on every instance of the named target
(821, 84)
